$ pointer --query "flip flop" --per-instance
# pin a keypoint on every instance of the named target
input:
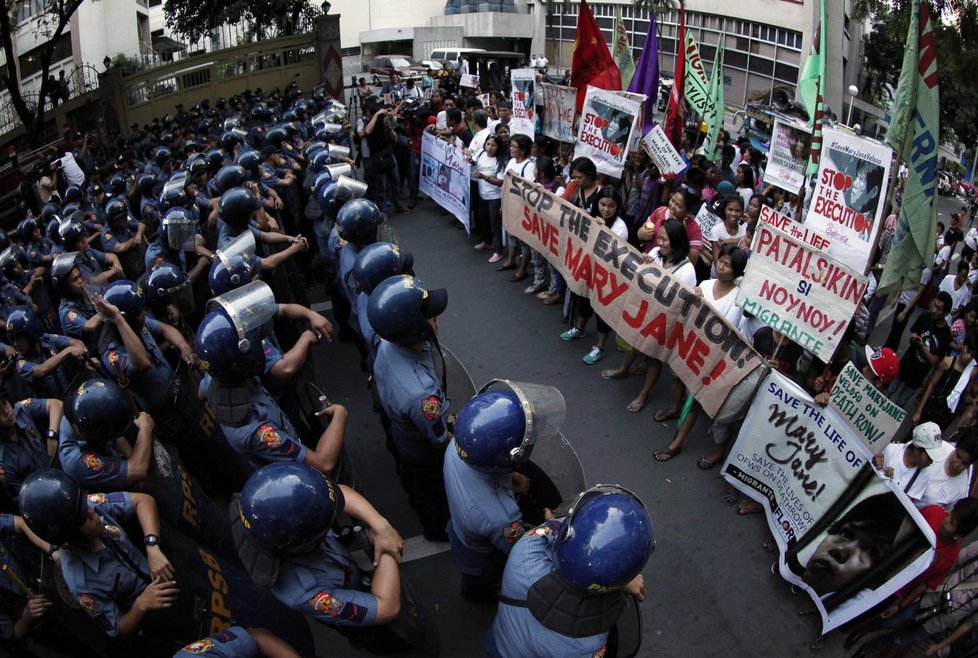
(665, 454)
(611, 374)
(662, 415)
(504, 267)
(635, 406)
(704, 463)
(517, 277)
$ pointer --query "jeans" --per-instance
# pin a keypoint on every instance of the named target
(386, 186)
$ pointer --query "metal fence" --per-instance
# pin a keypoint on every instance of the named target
(81, 80)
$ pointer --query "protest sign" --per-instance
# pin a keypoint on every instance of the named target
(871, 415)
(663, 154)
(643, 303)
(605, 129)
(788, 155)
(798, 290)
(445, 176)
(850, 189)
(470, 80)
(636, 138)
(819, 490)
(558, 112)
(524, 112)
(706, 220)
(798, 231)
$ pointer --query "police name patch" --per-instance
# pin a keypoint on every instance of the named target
(431, 407)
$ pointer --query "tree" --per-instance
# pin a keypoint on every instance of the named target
(194, 19)
(52, 22)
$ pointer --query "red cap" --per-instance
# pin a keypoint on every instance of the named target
(883, 362)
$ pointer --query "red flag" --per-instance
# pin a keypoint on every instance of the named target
(592, 63)
(673, 126)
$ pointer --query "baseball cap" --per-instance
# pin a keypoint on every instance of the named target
(883, 362)
(928, 436)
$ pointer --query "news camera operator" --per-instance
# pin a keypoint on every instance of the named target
(379, 161)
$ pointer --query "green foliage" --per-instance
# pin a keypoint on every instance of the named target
(194, 19)
(127, 64)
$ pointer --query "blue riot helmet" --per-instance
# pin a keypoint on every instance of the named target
(234, 265)
(168, 284)
(73, 194)
(229, 176)
(377, 262)
(174, 194)
(117, 185)
(25, 228)
(605, 540)
(229, 337)
(71, 233)
(117, 208)
(147, 183)
(275, 137)
(311, 147)
(215, 160)
(496, 430)
(333, 193)
(400, 307)
(230, 139)
(178, 229)
(61, 269)
(358, 221)
(23, 321)
(318, 161)
(237, 206)
(52, 231)
(11, 257)
(69, 210)
(98, 410)
(251, 163)
(128, 297)
(162, 156)
(196, 164)
(54, 506)
(49, 210)
(289, 507)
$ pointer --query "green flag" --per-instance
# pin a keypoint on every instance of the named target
(697, 89)
(714, 109)
(622, 51)
(811, 88)
(914, 134)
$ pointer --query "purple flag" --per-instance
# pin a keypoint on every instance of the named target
(646, 78)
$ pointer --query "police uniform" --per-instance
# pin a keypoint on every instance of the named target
(370, 337)
(104, 469)
(12, 600)
(112, 238)
(268, 435)
(157, 253)
(39, 252)
(515, 632)
(105, 585)
(347, 258)
(18, 459)
(90, 262)
(11, 296)
(235, 642)
(73, 315)
(149, 209)
(411, 396)
(323, 584)
(54, 384)
(149, 387)
(486, 521)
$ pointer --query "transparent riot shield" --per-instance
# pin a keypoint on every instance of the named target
(460, 387)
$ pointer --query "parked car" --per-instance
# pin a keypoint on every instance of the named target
(450, 55)
(383, 65)
(435, 66)
(945, 183)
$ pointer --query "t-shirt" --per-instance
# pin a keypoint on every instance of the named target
(788, 354)
(942, 489)
(945, 555)
(902, 474)
(913, 366)
(925, 278)
(726, 305)
(490, 166)
(684, 272)
(693, 230)
(959, 296)
(525, 169)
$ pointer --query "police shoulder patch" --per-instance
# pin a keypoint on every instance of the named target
(600, 652)
(113, 358)
(21, 363)
(326, 604)
(200, 646)
(72, 315)
(541, 531)
(88, 604)
(512, 532)
(431, 407)
(92, 461)
(270, 436)
(97, 498)
(108, 236)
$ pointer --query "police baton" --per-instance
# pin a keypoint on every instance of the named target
(15, 579)
(123, 382)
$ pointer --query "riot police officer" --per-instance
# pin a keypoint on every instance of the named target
(405, 315)
(113, 582)
(78, 316)
(237, 642)
(41, 360)
(374, 264)
(356, 224)
(28, 438)
(495, 432)
(565, 581)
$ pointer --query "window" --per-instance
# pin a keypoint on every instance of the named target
(30, 62)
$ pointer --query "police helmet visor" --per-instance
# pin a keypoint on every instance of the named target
(63, 264)
(348, 188)
(241, 247)
(338, 169)
(544, 410)
(240, 133)
(231, 123)
(180, 233)
(249, 307)
(336, 151)
(175, 187)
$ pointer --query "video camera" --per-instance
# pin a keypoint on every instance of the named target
(416, 107)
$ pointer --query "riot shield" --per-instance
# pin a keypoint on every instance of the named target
(133, 261)
(416, 624)
(556, 478)
(460, 387)
(625, 638)
(310, 400)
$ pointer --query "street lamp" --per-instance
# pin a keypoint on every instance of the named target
(853, 90)
(107, 62)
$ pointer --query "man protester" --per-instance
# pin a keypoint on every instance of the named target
(930, 338)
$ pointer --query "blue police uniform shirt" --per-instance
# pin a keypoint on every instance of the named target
(104, 585)
(411, 395)
(20, 458)
(73, 315)
(151, 386)
(272, 354)
(11, 598)
(11, 296)
(157, 253)
(235, 642)
(315, 585)
(485, 516)
(104, 469)
(149, 209)
(49, 345)
(39, 251)
(90, 262)
(370, 337)
(112, 238)
(348, 257)
(269, 175)
(515, 632)
(268, 435)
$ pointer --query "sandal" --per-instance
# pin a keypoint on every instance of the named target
(665, 454)
(705, 463)
(770, 545)
(505, 266)
(612, 374)
(552, 298)
(534, 289)
(662, 415)
(517, 277)
(635, 406)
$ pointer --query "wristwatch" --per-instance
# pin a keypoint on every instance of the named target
(151, 540)
(52, 435)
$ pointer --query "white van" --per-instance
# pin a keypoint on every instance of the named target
(443, 55)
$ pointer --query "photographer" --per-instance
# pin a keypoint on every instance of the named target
(379, 162)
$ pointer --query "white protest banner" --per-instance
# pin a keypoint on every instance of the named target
(798, 231)
(819, 491)
(470, 80)
(706, 220)
(799, 291)
(871, 415)
(524, 112)
(663, 154)
(558, 112)
(445, 176)
(788, 155)
(643, 303)
(606, 125)
(850, 189)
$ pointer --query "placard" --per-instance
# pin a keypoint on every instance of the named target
(607, 121)
(445, 175)
(871, 415)
(663, 154)
(470, 80)
(787, 157)
(558, 113)
(524, 112)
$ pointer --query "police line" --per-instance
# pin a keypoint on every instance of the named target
(644, 304)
